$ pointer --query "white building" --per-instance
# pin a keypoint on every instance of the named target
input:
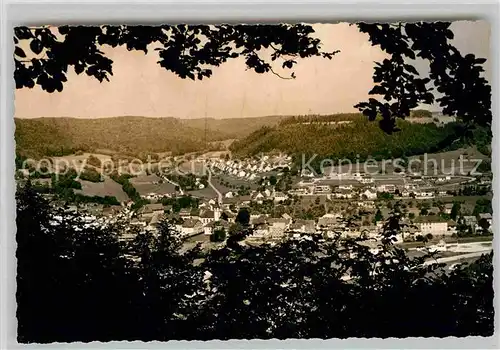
(366, 204)
(370, 194)
(390, 188)
(299, 191)
(149, 210)
(215, 225)
(433, 225)
(425, 194)
(258, 197)
(322, 189)
(280, 197)
(191, 227)
(261, 231)
(209, 216)
(343, 194)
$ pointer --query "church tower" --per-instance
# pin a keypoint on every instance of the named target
(217, 212)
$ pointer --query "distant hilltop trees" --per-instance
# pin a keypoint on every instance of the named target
(421, 113)
(348, 141)
(318, 118)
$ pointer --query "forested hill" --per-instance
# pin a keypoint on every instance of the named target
(235, 128)
(339, 135)
(346, 140)
(130, 135)
(60, 136)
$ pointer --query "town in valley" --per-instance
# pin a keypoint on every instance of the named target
(226, 181)
(445, 200)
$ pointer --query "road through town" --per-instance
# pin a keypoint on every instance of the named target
(209, 180)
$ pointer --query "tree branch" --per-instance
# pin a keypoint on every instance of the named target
(279, 76)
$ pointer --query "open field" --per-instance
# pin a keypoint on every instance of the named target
(234, 181)
(204, 193)
(222, 189)
(164, 188)
(144, 179)
(106, 188)
(470, 199)
(195, 167)
(335, 182)
(106, 151)
(449, 162)
(146, 184)
(307, 200)
(445, 199)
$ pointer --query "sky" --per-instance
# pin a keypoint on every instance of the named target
(140, 87)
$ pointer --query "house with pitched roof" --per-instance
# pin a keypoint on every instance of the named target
(207, 216)
(280, 197)
(303, 226)
(191, 227)
(278, 226)
(209, 228)
(149, 210)
(185, 213)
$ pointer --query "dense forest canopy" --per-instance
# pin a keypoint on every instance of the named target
(295, 289)
(358, 139)
(126, 135)
(129, 136)
(191, 51)
(336, 135)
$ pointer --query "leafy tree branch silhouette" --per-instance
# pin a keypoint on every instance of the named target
(191, 52)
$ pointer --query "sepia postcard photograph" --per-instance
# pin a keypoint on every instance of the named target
(253, 181)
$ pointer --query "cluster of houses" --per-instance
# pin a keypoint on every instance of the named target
(332, 224)
(473, 222)
(232, 199)
(365, 190)
(219, 214)
(250, 169)
(188, 221)
(211, 216)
